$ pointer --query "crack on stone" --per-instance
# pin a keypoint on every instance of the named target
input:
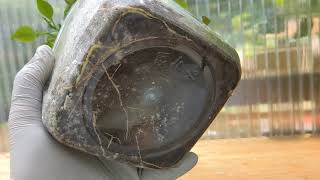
(150, 164)
(140, 131)
(134, 108)
(142, 162)
(153, 123)
(87, 61)
(94, 123)
(131, 10)
(165, 53)
(138, 148)
(74, 108)
(116, 71)
(110, 142)
(120, 100)
(112, 137)
(178, 63)
(68, 88)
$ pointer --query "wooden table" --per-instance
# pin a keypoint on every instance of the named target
(257, 158)
(4, 166)
(246, 159)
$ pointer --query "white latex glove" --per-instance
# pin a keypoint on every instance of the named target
(35, 155)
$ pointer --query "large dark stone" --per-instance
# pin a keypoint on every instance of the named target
(137, 81)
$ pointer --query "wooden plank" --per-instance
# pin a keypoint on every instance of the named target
(4, 138)
(4, 166)
(260, 158)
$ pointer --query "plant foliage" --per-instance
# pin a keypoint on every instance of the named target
(45, 9)
(28, 34)
(24, 34)
(182, 3)
(206, 20)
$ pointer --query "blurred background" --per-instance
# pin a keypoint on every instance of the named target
(278, 42)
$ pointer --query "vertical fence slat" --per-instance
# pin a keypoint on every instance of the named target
(289, 72)
(311, 72)
(300, 125)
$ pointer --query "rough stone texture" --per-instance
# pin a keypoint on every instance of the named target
(114, 58)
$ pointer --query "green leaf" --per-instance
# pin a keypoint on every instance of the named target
(45, 9)
(24, 34)
(280, 3)
(70, 2)
(182, 3)
(66, 10)
(50, 41)
(51, 24)
(68, 7)
(206, 20)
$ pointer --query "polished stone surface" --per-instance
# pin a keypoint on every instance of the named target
(137, 81)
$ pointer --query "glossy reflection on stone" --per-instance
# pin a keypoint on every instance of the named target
(154, 96)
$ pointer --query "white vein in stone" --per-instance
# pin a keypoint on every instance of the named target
(120, 100)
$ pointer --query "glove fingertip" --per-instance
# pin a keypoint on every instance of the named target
(189, 161)
(35, 73)
(43, 52)
(45, 49)
(185, 165)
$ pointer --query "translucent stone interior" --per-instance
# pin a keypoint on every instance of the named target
(152, 98)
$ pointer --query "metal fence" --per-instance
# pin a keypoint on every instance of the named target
(278, 44)
(279, 47)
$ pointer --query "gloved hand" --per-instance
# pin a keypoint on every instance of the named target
(35, 155)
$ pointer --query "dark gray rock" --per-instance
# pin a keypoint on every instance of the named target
(137, 81)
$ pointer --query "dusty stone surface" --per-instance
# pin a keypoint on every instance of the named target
(137, 81)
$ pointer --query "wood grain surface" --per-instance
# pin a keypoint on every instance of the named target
(295, 158)
(4, 166)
